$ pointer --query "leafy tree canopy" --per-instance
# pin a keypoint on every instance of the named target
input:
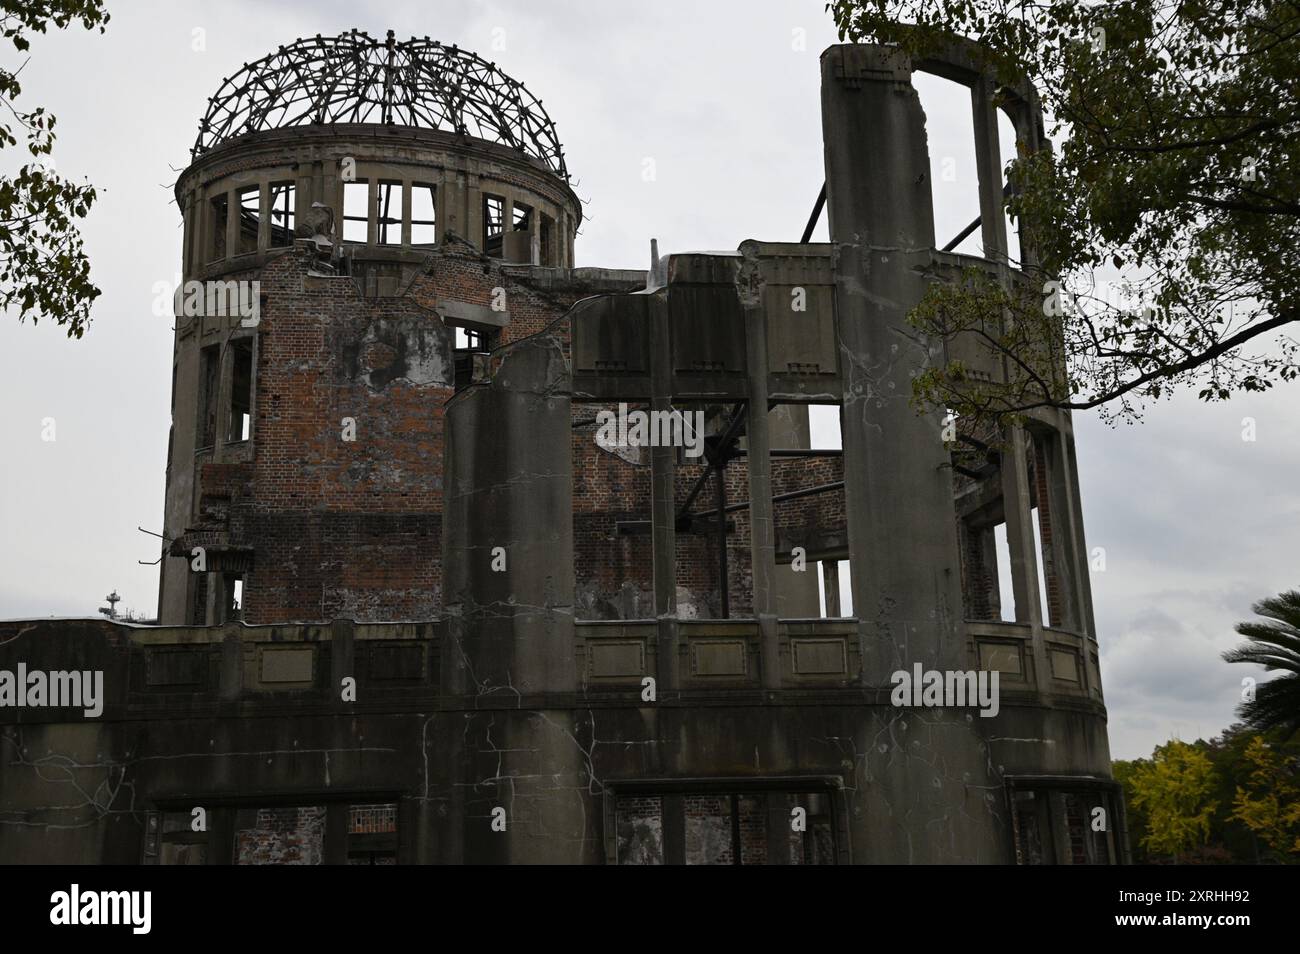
(1178, 163)
(44, 271)
(1273, 642)
(1174, 792)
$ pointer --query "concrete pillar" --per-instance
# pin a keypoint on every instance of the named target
(758, 461)
(1084, 556)
(372, 210)
(988, 167)
(304, 186)
(1023, 544)
(1068, 525)
(509, 588)
(925, 802)
(232, 222)
(407, 189)
(264, 216)
(342, 660)
(663, 504)
(473, 213)
(445, 205)
(897, 474)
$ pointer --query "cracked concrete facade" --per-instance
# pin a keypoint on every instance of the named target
(461, 615)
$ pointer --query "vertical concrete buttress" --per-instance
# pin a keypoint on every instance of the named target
(927, 780)
(508, 553)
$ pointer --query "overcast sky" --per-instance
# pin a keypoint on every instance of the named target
(1197, 524)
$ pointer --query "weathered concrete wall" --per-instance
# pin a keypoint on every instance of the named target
(447, 749)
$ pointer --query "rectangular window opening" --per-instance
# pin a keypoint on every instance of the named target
(356, 211)
(423, 216)
(469, 340)
(1043, 568)
(834, 589)
(176, 843)
(1006, 592)
(613, 541)
(494, 213)
(241, 391)
(372, 834)
(283, 197)
(954, 181)
(808, 514)
(250, 218)
(233, 607)
(199, 608)
(1054, 826)
(288, 835)
(1007, 147)
(523, 217)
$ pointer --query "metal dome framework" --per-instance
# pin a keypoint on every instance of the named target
(354, 78)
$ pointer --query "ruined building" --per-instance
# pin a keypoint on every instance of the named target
(420, 604)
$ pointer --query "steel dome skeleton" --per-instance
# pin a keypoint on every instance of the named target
(354, 78)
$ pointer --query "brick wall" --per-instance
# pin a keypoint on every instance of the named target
(353, 528)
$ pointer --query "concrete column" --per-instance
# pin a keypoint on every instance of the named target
(232, 222)
(342, 660)
(897, 475)
(449, 205)
(663, 503)
(906, 577)
(263, 216)
(988, 166)
(372, 210)
(1060, 527)
(1065, 486)
(507, 225)
(335, 187)
(1026, 121)
(473, 213)
(758, 462)
(1023, 544)
(406, 211)
(303, 187)
(508, 554)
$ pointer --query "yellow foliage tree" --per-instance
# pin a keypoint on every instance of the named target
(1271, 806)
(1174, 789)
